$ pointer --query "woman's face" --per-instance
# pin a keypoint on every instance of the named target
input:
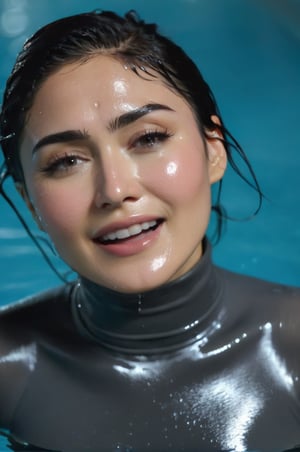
(118, 174)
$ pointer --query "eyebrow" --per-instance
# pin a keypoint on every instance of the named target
(132, 116)
(117, 123)
(61, 137)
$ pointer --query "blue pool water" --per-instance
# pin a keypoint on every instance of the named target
(249, 51)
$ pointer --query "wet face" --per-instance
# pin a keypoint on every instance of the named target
(118, 174)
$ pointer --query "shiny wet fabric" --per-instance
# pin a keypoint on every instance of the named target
(208, 362)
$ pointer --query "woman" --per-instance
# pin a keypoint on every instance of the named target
(113, 139)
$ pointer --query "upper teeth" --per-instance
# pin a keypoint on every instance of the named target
(128, 232)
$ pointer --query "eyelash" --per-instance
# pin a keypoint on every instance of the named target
(66, 162)
(148, 139)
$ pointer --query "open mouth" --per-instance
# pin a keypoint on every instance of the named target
(124, 234)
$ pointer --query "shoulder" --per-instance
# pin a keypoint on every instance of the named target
(259, 291)
(43, 314)
(27, 319)
(37, 303)
(259, 306)
(33, 319)
(255, 303)
(261, 301)
(24, 326)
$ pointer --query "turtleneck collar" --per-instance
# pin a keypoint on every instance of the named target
(162, 319)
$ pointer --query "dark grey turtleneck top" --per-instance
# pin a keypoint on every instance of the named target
(208, 362)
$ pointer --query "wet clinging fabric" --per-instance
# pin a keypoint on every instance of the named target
(207, 362)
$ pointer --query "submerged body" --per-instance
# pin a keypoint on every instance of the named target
(208, 362)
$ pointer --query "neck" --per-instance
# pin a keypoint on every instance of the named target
(161, 319)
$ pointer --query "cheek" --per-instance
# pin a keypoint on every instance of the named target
(180, 179)
(60, 210)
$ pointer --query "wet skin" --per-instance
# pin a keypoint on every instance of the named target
(110, 174)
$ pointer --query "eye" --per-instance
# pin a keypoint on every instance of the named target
(62, 164)
(150, 138)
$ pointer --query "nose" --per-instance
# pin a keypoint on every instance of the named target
(117, 180)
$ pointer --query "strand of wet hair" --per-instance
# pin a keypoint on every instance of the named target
(4, 174)
(255, 185)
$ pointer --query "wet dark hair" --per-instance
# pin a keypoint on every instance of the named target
(132, 41)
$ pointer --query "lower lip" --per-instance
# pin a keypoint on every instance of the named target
(132, 245)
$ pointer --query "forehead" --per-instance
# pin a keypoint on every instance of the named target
(101, 82)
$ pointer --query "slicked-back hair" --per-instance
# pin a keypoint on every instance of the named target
(130, 40)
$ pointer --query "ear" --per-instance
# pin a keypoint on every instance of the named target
(217, 157)
(23, 192)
